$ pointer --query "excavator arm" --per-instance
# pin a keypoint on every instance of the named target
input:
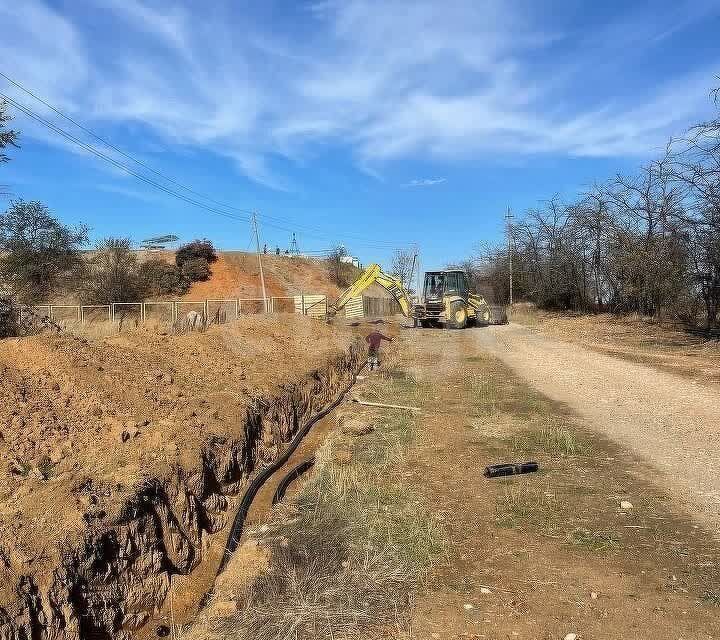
(374, 274)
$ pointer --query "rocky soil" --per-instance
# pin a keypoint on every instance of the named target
(122, 456)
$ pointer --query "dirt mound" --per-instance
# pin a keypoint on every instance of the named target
(87, 425)
(236, 274)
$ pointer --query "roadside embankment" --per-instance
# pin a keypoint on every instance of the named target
(126, 457)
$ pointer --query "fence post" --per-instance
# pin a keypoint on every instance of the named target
(237, 308)
(50, 312)
(79, 314)
(302, 303)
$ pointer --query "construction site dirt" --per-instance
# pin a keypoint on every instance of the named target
(125, 455)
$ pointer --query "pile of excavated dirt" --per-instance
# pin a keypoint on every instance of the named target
(119, 455)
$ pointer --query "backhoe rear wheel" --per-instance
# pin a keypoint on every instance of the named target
(457, 315)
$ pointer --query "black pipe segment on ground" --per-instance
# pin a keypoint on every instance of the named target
(510, 469)
(292, 475)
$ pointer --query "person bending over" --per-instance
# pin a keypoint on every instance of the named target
(374, 339)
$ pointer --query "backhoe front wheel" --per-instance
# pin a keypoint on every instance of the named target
(457, 315)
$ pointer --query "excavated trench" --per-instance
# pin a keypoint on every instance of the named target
(173, 530)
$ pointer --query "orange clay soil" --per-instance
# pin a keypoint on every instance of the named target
(84, 423)
(236, 274)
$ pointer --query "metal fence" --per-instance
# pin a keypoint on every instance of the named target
(214, 310)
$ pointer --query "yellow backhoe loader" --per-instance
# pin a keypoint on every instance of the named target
(447, 300)
(374, 274)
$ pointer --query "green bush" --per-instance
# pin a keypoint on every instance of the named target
(196, 269)
(9, 325)
(196, 249)
(160, 278)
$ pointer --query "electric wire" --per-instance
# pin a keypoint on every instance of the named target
(272, 221)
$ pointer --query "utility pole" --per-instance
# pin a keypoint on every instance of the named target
(412, 268)
(508, 230)
(262, 275)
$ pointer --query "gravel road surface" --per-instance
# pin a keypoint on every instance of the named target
(669, 421)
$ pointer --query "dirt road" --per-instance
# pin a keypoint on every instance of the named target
(535, 556)
(669, 421)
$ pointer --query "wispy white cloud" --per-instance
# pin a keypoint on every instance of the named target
(382, 80)
(152, 197)
(425, 182)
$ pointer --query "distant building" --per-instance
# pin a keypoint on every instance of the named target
(355, 262)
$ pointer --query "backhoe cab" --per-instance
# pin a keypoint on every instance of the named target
(447, 301)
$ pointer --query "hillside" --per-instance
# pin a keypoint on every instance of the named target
(236, 274)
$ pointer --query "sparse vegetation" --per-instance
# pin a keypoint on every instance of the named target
(522, 503)
(196, 250)
(594, 540)
(196, 270)
(38, 254)
(647, 243)
(343, 274)
(112, 273)
(554, 440)
(402, 266)
(347, 555)
(9, 318)
(8, 137)
(160, 278)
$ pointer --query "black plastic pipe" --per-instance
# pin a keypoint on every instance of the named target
(293, 474)
(258, 481)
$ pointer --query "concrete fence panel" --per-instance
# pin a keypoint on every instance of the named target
(94, 313)
(213, 310)
(284, 304)
(253, 305)
(222, 310)
(311, 305)
(159, 311)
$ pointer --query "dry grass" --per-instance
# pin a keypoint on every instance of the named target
(668, 346)
(551, 439)
(348, 554)
(523, 502)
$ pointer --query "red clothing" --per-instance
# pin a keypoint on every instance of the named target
(374, 339)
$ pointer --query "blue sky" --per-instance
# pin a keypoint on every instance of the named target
(376, 124)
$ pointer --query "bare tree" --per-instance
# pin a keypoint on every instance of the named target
(401, 266)
(8, 138)
(38, 254)
(113, 274)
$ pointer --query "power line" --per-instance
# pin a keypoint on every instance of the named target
(268, 218)
(90, 149)
(94, 151)
(117, 149)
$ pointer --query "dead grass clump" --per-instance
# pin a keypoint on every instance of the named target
(358, 545)
(522, 502)
(594, 540)
(551, 439)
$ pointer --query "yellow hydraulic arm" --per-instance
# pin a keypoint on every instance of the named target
(371, 275)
